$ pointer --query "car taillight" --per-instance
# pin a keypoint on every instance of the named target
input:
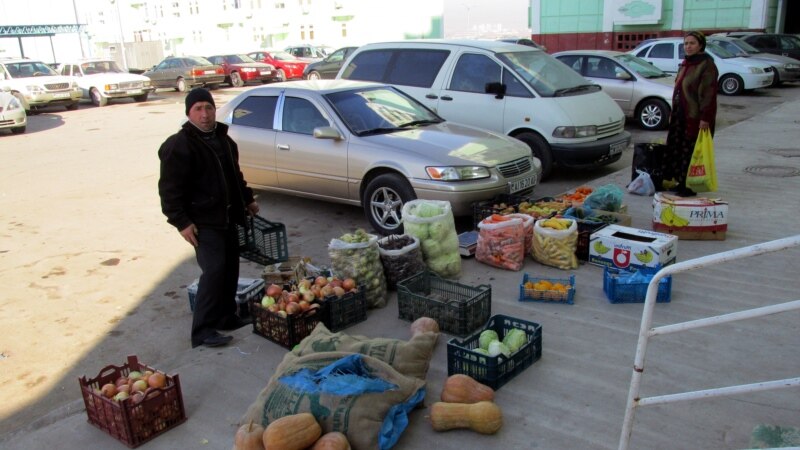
(220, 71)
(198, 72)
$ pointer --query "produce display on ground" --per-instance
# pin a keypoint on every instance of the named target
(401, 256)
(356, 255)
(501, 242)
(555, 242)
(432, 222)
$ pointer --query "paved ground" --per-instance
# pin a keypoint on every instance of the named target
(93, 273)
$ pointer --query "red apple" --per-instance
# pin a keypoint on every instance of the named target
(157, 380)
(109, 390)
(304, 305)
(139, 386)
(320, 281)
(348, 284)
(293, 308)
(274, 290)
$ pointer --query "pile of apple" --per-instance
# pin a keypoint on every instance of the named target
(306, 295)
(136, 386)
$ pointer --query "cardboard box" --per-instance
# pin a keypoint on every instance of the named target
(695, 218)
(625, 247)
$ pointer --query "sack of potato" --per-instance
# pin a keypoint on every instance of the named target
(554, 242)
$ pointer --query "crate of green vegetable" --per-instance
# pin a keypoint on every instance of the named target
(500, 351)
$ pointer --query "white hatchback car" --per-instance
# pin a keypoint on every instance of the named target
(12, 114)
(736, 74)
(102, 79)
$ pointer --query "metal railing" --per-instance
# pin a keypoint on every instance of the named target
(646, 332)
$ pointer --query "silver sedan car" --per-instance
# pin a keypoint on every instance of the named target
(371, 145)
(642, 90)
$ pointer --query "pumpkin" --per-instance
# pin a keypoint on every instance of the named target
(460, 388)
(294, 432)
(483, 417)
(332, 441)
(424, 325)
(248, 437)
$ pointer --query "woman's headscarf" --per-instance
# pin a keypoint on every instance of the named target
(701, 39)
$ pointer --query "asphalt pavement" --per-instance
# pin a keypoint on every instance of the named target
(574, 396)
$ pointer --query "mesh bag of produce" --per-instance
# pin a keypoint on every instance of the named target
(431, 221)
(555, 242)
(401, 256)
(527, 228)
(501, 242)
(356, 256)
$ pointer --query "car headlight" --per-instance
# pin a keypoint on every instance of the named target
(756, 70)
(14, 104)
(791, 66)
(448, 173)
(34, 89)
(111, 87)
(249, 69)
(146, 83)
(575, 132)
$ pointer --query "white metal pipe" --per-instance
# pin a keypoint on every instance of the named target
(725, 318)
(720, 392)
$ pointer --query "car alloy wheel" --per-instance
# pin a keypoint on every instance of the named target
(236, 80)
(281, 75)
(731, 85)
(383, 202)
(314, 75)
(97, 98)
(652, 114)
(180, 86)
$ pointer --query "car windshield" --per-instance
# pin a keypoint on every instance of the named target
(641, 66)
(199, 61)
(90, 68)
(718, 51)
(546, 75)
(380, 110)
(29, 69)
(283, 56)
(239, 59)
(746, 47)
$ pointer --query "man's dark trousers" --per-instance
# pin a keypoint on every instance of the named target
(218, 256)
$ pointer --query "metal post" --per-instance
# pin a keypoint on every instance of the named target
(80, 40)
(121, 37)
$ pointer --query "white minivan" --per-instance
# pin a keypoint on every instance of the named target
(512, 89)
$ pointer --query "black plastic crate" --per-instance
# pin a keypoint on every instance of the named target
(617, 292)
(484, 209)
(286, 331)
(495, 371)
(262, 241)
(457, 308)
(585, 230)
(342, 312)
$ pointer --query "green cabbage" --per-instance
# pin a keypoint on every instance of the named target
(431, 248)
(418, 230)
(439, 230)
(486, 338)
(446, 266)
(515, 339)
(426, 209)
(496, 348)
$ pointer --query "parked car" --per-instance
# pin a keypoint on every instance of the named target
(642, 90)
(101, 80)
(736, 74)
(779, 44)
(185, 72)
(12, 114)
(242, 69)
(308, 53)
(524, 41)
(328, 67)
(786, 68)
(515, 90)
(371, 145)
(36, 85)
(288, 66)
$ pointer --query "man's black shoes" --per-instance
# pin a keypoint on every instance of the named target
(214, 340)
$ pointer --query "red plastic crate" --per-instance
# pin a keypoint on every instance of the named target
(133, 423)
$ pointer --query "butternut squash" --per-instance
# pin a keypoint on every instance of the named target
(460, 388)
(248, 437)
(483, 417)
(294, 432)
(332, 441)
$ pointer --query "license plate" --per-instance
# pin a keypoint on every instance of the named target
(61, 95)
(613, 149)
(134, 91)
(210, 72)
(521, 184)
(265, 72)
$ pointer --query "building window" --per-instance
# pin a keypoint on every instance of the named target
(302, 32)
(344, 30)
(280, 5)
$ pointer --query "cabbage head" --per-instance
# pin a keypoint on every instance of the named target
(419, 230)
(486, 338)
(426, 209)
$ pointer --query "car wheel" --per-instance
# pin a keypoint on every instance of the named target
(383, 202)
(18, 130)
(731, 85)
(236, 80)
(180, 85)
(314, 75)
(97, 98)
(540, 149)
(652, 114)
(22, 102)
(281, 75)
(73, 106)
(776, 80)
(141, 98)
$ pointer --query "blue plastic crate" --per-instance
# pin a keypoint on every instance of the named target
(618, 292)
(531, 295)
(247, 288)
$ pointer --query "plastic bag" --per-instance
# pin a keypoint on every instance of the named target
(607, 198)
(702, 174)
(431, 221)
(400, 263)
(501, 242)
(527, 228)
(360, 261)
(642, 185)
(555, 247)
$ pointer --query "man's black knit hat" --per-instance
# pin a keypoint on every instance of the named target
(198, 95)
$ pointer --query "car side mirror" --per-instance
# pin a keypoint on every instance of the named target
(498, 89)
(327, 133)
(625, 76)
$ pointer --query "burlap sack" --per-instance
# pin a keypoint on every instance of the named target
(410, 357)
(359, 417)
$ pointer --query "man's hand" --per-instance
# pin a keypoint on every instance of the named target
(190, 234)
(252, 208)
(704, 125)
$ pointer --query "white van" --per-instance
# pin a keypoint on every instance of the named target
(512, 89)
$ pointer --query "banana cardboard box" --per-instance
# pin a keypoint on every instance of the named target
(631, 248)
(696, 218)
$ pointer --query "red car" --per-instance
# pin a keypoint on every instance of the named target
(287, 65)
(241, 69)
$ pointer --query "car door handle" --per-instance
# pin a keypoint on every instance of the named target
(432, 96)
(447, 97)
(283, 147)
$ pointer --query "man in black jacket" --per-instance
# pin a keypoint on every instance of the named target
(204, 194)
